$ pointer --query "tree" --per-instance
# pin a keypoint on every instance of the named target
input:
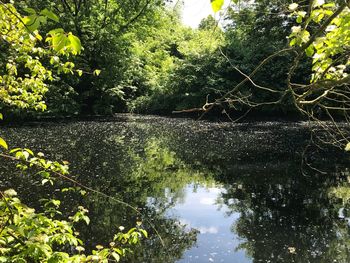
(252, 32)
(167, 67)
(108, 31)
(208, 23)
(322, 35)
(26, 234)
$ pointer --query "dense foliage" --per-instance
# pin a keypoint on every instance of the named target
(23, 77)
(26, 234)
(139, 57)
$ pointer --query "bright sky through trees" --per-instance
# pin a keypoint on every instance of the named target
(195, 10)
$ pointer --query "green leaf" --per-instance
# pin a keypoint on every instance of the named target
(329, 5)
(56, 31)
(310, 51)
(305, 36)
(216, 5)
(86, 219)
(59, 41)
(144, 232)
(30, 11)
(54, 60)
(299, 19)
(32, 22)
(10, 192)
(75, 43)
(25, 155)
(292, 42)
(116, 256)
(44, 181)
(29, 151)
(97, 72)
(3, 143)
(49, 14)
(3, 259)
(15, 150)
(42, 20)
(347, 147)
(1, 116)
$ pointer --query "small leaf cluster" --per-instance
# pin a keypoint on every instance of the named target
(328, 50)
(23, 81)
(39, 237)
(46, 167)
(28, 236)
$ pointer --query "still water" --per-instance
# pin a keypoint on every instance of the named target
(215, 192)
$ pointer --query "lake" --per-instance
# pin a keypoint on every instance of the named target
(214, 192)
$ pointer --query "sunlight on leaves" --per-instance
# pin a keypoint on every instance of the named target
(3, 143)
(217, 5)
(347, 147)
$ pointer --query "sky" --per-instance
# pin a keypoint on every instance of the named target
(195, 10)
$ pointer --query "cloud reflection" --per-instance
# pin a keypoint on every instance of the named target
(207, 201)
(208, 230)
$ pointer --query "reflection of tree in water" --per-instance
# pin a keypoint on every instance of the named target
(289, 219)
(152, 179)
(145, 174)
(136, 163)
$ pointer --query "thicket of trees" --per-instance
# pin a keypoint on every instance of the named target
(151, 63)
(139, 57)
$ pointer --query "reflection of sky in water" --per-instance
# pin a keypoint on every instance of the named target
(215, 242)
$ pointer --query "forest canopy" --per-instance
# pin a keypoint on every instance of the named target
(139, 57)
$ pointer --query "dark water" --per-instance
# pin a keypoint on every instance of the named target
(215, 192)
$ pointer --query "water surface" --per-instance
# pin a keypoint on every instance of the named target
(215, 192)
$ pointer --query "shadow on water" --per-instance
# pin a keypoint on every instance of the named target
(216, 192)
